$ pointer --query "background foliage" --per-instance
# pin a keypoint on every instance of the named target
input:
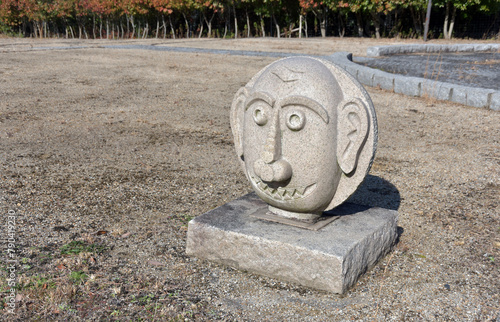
(114, 19)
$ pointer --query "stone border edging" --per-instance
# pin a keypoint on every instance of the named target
(412, 86)
(429, 48)
(416, 86)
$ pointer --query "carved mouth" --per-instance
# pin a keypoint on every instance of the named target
(281, 193)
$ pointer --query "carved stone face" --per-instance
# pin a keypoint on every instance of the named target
(286, 130)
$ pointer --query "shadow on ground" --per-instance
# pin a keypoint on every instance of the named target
(377, 192)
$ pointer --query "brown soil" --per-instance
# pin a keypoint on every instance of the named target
(106, 154)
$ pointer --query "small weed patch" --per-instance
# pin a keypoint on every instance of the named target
(37, 282)
(78, 277)
(77, 246)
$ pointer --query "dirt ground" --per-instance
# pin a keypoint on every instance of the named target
(106, 154)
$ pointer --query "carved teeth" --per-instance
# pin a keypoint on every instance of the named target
(309, 188)
(300, 191)
(284, 193)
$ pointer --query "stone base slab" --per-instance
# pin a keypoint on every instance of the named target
(330, 259)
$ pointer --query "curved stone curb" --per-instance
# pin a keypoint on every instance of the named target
(416, 86)
(429, 48)
(413, 86)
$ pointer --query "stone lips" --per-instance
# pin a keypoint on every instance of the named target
(351, 89)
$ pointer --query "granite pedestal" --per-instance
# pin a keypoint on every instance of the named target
(329, 259)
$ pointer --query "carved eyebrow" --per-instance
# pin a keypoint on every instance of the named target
(259, 96)
(307, 103)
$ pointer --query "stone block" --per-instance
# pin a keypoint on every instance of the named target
(465, 48)
(436, 89)
(407, 85)
(374, 51)
(352, 69)
(478, 97)
(330, 259)
(431, 48)
(412, 49)
(483, 47)
(495, 101)
(365, 75)
(384, 80)
(459, 94)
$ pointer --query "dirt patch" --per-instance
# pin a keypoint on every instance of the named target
(106, 155)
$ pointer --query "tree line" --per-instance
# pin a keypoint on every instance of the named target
(112, 19)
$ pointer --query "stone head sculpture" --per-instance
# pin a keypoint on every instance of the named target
(305, 133)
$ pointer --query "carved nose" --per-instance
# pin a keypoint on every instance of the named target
(270, 166)
(278, 171)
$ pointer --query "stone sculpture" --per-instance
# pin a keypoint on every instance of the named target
(305, 132)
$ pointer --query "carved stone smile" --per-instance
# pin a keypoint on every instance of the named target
(282, 193)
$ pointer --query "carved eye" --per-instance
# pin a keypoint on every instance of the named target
(296, 120)
(259, 116)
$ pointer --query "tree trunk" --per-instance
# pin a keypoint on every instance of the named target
(235, 22)
(128, 26)
(201, 28)
(452, 23)
(396, 24)
(225, 27)
(248, 22)
(100, 28)
(376, 22)
(157, 27)
(172, 30)
(22, 30)
(300, 26)
(305, 26)
(164, 26)
(187, 24)
(417, 21)
(322, 24)
(446, 18)
(145, 31)
(133, 26)
(262, 26)
(93, 26)
(209, 24)
(359, 24)
(277, 27)
(341, 26)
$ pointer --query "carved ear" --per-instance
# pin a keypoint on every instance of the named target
(237, 114)
(352, 127)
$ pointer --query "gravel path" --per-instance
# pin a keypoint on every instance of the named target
(106, 154)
